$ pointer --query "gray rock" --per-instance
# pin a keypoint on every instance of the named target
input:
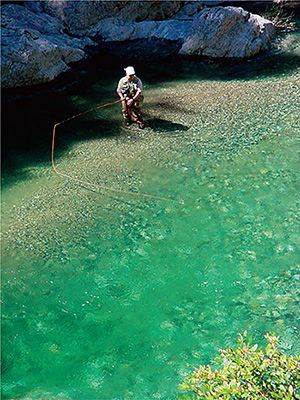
(189, 9)
(34, 6)
(35, 59)
(80, 15)
(14, 16)
(34, 49)
(228, 32)
(149, 10)
(118, 30)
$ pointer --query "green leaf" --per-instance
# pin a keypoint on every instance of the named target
(247, 373)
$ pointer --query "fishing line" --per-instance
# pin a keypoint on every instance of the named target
(82, 182)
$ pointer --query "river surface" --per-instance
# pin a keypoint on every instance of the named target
(110, 296)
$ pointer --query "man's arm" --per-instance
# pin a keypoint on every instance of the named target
(139, 90)
(137, 95)
(120, 94)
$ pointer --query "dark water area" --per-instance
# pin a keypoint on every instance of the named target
(113, 296)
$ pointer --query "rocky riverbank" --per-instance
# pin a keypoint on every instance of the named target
(42, 40)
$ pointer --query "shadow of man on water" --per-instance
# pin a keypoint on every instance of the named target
(163, 125)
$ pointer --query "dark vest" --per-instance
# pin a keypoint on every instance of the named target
(129, 88)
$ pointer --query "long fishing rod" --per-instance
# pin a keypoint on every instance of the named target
(100, 187)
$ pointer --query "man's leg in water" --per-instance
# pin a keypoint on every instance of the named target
(126, 117)
(137, 108)
(136, 112)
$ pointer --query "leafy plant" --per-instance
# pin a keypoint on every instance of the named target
(248, 372)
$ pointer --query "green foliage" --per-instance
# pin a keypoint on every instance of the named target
(248, 372)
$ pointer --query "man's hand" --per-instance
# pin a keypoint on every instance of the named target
(130, 102)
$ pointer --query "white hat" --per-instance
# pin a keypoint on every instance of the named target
(129, 70)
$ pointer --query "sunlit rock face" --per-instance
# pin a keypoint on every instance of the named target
(228, 32)
(34, 47)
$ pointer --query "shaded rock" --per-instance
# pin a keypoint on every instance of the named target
(228, 32)
(34, 6)
(149, 10)
(76, 16)
(80, 15)
(189, 9)
(118, 30)
(14, 16)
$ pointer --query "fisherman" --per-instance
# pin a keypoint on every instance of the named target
(130, 89)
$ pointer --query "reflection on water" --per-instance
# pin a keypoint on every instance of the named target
(109, 296)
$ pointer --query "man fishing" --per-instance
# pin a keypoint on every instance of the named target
(130, 89)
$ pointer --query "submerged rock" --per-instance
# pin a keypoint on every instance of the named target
(228, 32)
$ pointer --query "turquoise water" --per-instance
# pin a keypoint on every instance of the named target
(109, 296)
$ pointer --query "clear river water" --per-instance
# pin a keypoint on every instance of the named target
(108, 296)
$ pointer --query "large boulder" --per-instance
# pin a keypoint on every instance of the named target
(34, 47)
(228, 32)
(217, 32)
